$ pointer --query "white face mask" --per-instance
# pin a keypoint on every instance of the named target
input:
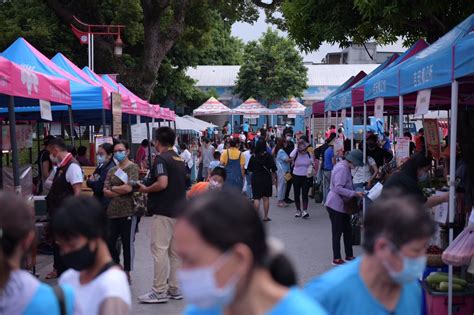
(412, 269)
(200, 288)
(53, 159)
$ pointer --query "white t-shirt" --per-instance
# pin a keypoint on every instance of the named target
(187, 157)
(220, 147)
(74, 174)
(247, 155)
(89, 297)
(362, 174)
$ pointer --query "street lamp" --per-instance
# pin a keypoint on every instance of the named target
(85, 33)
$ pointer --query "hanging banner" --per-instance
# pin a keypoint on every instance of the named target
(292, 116)
(422, 102)
(432, 139)
(138, 133)
(250, 116)
(402, 150)
(343, 115)
(116, 113)
(378, 110)
(24, 137)
(45, 107)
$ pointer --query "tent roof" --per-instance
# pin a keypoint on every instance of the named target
(251, 106)
(290, 107)
(212, 107)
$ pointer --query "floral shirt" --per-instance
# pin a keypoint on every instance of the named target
(121, 206)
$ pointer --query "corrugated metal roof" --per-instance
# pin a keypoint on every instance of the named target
(318, 75)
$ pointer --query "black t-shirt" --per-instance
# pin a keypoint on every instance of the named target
(165, 201)
(406, 184)
(289, 147)
(262, 164)
(43, 156)
(378, 154)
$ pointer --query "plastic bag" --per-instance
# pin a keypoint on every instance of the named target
(460, 252)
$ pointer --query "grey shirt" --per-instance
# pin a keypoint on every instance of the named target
(207, 155)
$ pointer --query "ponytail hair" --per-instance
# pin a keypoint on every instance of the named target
(223, 226)
(16, 221)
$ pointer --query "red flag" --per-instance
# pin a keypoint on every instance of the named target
(82, 36)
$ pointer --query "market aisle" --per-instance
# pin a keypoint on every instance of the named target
(307, 242)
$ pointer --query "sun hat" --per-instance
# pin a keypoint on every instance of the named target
(356, 157)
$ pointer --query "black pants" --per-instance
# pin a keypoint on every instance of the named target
(125, 228)
(58, 263)
(288, 188)
(341, 225)
(301, 186)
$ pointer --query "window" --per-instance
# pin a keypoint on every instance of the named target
(283, 120)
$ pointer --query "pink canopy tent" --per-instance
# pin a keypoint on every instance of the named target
(290, 107)
(23, 82)
(212, 107)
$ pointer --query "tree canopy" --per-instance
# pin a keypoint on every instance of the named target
(312, 22)
(272, 70)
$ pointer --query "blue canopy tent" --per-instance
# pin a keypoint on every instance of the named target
(436, 68)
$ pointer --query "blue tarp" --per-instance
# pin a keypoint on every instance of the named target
(84, 96)
(433, 67)
(385, 84)
(464, 56)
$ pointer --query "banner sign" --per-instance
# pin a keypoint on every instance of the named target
(45, 107)
(24, 137)
(422, 102)
(432, 139)
(378, 110)
(402, 150)
(343, 115)
(116, 113)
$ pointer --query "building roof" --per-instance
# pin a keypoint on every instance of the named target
(318, 75)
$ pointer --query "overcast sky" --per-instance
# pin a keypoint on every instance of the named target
(248, 32)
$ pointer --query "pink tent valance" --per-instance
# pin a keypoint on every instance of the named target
(23, 82)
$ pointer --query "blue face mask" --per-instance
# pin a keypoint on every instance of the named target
(120, 155)
(412, 270)
(100, 159)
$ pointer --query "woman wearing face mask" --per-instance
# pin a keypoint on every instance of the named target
(227, 265)
(215, 183)
(302, 161)
(341, 189)
(385, 279)
(100, 286)
(120, 211)
(412, 172)
(283, 167)
(20, 291)
(96, 182)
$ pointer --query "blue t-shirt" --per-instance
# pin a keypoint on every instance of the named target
(45, 302)
(342, 291)
(281, 157)
(294, 303)
(246, 127)
(328, 155)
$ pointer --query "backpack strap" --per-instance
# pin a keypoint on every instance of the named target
(59, 293)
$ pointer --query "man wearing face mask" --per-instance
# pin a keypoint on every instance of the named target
(376, 152)
(67, 182)
(167, 189)
(397, 231)
(412, 172)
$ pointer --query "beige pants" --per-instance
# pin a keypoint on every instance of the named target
(165, 259)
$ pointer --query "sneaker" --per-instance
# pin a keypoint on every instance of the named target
(305, 214)
(349, 258)
(175, 294)
(153, 297)
(338, 262)
(298, 214)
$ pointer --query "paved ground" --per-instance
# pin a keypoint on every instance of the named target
(307, 244)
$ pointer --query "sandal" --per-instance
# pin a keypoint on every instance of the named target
(267, 220)
(52, 275)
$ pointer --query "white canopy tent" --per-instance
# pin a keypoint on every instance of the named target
(290, 107)
(212, 107)
(250, 108)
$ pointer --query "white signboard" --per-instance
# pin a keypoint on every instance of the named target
(292, 116)
(138, 133)
(45, 107)
(402, 150)
(99, 140)
(441, 211)
(423, 102)
(343, 114)
(378, 110)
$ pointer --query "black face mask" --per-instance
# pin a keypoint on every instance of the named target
(80, 259)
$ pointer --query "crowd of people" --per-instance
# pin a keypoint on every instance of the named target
(208, 240)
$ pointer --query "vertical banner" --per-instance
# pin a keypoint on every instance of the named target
(432, 139)
(402, 150)
(378, 110)
(45, 108)
(343, 115)
(116, 113)
(422, 102)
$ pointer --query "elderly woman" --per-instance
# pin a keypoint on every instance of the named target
(342, 190)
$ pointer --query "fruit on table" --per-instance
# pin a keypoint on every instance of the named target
(435, 279)
(444, 286)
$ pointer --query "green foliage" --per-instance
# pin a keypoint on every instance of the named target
(273, 69)
(312, 22)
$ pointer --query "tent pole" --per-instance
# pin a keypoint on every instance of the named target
(129, 132)
(352, 129)
(452, 182)
(337, 125)
(104, 129)
(324, 124)
(364, 149)
(148, 138)
(400, 116)
(14, 147)
(71, 125)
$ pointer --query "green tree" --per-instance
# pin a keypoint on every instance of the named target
(273, 69)
(312, 22)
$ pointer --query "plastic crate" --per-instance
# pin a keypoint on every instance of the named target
(437, 302)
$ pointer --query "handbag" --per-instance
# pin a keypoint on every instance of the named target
(139, 203)
(351, 206)
(288, 176)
